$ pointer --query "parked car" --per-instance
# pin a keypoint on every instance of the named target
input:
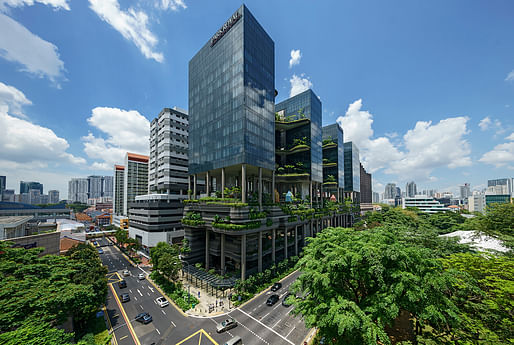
(162, 302)
(126, 273)
(124, 297)
(141, 276)
(100, 251)
(144, 317)
(235, 341)
(225, 325)
(276, 287)
(284, 302)
(272, 300)
(122, 284)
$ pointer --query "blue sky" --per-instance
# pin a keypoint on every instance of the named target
(426, 89)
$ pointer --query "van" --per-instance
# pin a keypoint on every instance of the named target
(235, 341)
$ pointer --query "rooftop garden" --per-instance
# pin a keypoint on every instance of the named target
(298, 169)
(225, 223)
(193, 219)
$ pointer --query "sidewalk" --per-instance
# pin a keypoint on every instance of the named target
(209, 305)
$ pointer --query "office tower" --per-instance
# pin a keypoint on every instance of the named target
(95, 184)
(333, 160)
(118, 185)
(476, 202)
(78, 190)
(26, 186)
(34, 196)
(390, 191)
(366, 196)
(411, 189)
(107, 187)
(8, 195)
(53, 196)
(231, 107)
(156, 217)
(298, 144)
(465, 191)
(376, 197)
(501, 186)
(135, 180)
(352, 171)
(3, 184)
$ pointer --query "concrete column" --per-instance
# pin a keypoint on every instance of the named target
(207, 183)
(188, 187)
(207, 249)
(243, 183)
(338, 196)
(273, 237)
(259, 253)
(222, 182)
(273, 186)
(285, 243)
(194, 186)
(311, 193)
(222, 252)
(296, 240)
(260, 189)
(243, 257)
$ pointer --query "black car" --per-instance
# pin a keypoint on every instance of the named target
(124, 297)
(276, 287)
(122, 284)
(284, 302)
(144, 318)
(272, 300)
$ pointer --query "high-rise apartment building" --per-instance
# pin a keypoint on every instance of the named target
(107, 187)
(333, 160)
(53, 196)
(118, 185)
(366, 193)
(352, 172)
(25, 186)
(390, 191)
(411, 189)
(465, 191)
(376, 197)
(231, 107)
(78, 190)
(135, 180)
(95, 184)
(502, 186)
(3, 184)
(476, 202)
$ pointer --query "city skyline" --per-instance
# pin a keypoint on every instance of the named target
(85, 136)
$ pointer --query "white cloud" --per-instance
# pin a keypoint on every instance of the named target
(173, 5)
(131, 24)
(510, 137)
(501, 155)
(39, 57)
(126, 131)
(427, 146)
(485, 123)
(57, 4)
(510, 76)
(296, 56)
(13, 99)
(299, 84)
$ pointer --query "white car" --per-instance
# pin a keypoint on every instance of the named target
(126, 273)
(162, 302)
(141, 276)
(225, 325)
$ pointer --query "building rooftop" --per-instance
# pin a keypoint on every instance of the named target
(138, 158)
(4, 205)
(8, 220)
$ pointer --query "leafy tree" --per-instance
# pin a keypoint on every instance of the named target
(169, 265)
(36, 333)
(356, 283)
(121, 237)
(165, 257)
(499, 222)
(445, 221)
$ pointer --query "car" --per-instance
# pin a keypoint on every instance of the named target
(100, 251)
(276, 287)
(272, 300)
(141, 276)
(126, 273)
(162, 302)
(284, 302)
(122, 284)
(235, 341)
(124, 297)
(94, 243)
(144, 317)
(226, 324)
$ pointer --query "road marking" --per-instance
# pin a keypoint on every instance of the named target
(130, 291)
(148, 293)
(163, 312)
(150, 288)
(141, 306)
(131, 329)
(201, 331)
(292, 329)
(173, 323)
(140, 292)
(256, 335)
(116, 316)
(135, 298)
(158, 331)
(126, 336)
(110, 325)
(276, 323)
(271, 329)
(265, 316)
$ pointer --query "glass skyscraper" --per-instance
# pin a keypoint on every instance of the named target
(352, 173)
(231, 98)
(335, 155)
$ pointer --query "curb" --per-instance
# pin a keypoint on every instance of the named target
(310, 336)
(166, 296)
(108, 319)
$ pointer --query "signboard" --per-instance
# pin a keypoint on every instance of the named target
(223, 30)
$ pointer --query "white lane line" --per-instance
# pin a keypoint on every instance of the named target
(135, 298)
(158, 331)
(148, 293)
(141, 306)
(130, 291)
(292, 329)
(276, 323)
(250, 316)
(256, 335)
(173, 323)
(163, 312)
(264, 316)
(140, 293)
(150, 288)
(142, 286)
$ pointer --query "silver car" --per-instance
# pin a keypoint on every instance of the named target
(226, 324)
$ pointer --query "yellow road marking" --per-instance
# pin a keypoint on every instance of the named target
(110, 325)
(200, 339)
(208, 336)
(116, 316)
(127, 320)
(201, 332)
(125, 336)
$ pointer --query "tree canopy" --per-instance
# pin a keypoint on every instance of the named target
(165, 258)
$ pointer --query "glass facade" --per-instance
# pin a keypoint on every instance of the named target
(231, 97)
(352, 179)
(334, 132)
(306, 104)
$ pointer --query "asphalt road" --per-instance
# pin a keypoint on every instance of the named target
(258, 324)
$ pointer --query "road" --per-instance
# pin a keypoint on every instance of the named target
(258, 324)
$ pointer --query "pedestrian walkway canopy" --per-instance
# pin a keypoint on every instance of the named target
(212, 280)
